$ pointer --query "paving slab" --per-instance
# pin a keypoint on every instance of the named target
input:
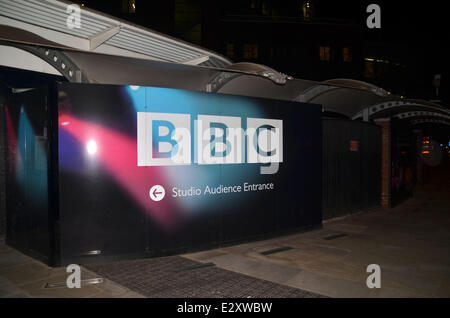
(37, 289)
(23, 277)
(7, 288)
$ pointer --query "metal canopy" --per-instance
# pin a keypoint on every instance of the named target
(355, 103)
(106, 50)
(101, 33)
(341, 99)
(360, 100)
(119, 70)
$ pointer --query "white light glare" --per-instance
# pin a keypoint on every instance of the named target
(91, 147)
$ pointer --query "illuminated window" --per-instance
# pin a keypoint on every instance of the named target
(230, 50)
(250, 51)
(132, 6)
(347, 54)
(129, 6)
(324, 53)
(369, 70)
(307, 10)
(265, 9)
(253, 4)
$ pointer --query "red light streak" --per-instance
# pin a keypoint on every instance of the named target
(118, 153)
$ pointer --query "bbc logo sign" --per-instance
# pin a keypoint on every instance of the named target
(166, 139)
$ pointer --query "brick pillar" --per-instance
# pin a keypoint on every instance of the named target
(385, 124)
(419, 135)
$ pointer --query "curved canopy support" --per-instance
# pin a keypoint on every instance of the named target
(351, 83)
(414, 114)
(309, 94)
(59, 60)
(399, 105)
(260, 70)
(425, 121)
(339, 83)
(219, 80)
(14, 57)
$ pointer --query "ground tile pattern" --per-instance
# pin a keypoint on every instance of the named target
(179, 277)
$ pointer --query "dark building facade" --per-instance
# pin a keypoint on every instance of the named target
(286, 36)
(309, 39)
(293, 36)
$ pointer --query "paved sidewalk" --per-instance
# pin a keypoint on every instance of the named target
(179, 277)
(23, 277)
(165, 277)
(410, 242)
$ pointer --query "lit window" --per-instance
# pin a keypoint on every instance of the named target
(307, 10)
(250, 51)
(253, 4)
(368, 70)
(265, 9)
(230, 50)
(347, 54)
(324, 53)
(129, 6)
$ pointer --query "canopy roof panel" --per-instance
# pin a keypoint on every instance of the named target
(101, 33)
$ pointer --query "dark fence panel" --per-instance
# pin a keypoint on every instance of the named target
(351, 166)
(27, 217)
(108, 197)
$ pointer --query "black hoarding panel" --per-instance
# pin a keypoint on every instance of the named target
(351, 166)
(28, 227)
(155, 171)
